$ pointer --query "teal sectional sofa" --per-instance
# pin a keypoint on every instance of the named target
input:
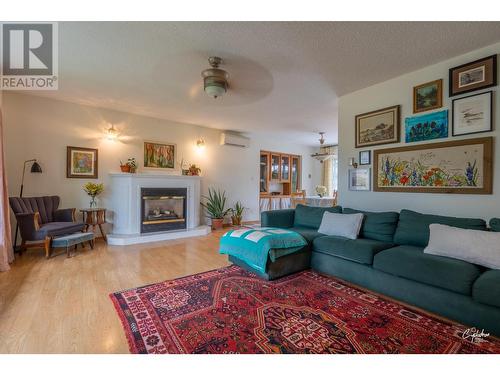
(388, 258)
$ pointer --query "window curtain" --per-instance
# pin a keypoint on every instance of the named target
(328, 179)
(6, 251)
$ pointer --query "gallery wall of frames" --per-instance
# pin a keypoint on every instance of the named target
(438, 138)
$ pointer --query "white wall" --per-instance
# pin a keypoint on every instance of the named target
(41, 128)
(400, 91)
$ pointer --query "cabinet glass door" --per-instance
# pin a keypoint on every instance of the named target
(295, 174)
(264, 173)
(285, 168)
(275, 167)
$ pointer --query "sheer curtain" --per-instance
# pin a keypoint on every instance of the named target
(329, 173)
(6, 251)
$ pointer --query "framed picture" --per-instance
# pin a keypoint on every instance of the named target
(472, 114)
(378, 127)
(472, 76)
(463, 167)
(426, 127)
(365, 157)
(359, 179)
(81, 162)
(160, 155)
(428, 96)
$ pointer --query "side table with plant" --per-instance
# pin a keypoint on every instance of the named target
(215, 206)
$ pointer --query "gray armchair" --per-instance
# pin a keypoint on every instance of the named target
(39, 219)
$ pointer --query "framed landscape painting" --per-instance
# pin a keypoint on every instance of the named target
(160, 155)
(81, 162)
(426, 127)
(473, 114)
(378, 127)
(463, 167)
(476, 75)
(428, 96)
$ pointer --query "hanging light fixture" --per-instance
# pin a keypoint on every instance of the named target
(215, 79)
(111, 133)
(322, 156)
(200, 143)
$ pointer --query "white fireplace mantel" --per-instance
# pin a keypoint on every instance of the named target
(126, 206)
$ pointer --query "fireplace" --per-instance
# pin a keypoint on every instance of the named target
(163, 209)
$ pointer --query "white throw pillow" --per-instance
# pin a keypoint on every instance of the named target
(473, 246)
(343, 225)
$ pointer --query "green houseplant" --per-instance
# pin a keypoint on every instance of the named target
(215, 206)
(237, 213)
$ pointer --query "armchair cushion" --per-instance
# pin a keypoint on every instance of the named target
(28, 224)
(57, 229)
(67, 215)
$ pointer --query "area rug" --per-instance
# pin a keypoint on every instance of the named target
(230, 310)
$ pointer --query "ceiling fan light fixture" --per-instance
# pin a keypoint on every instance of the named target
(214, 79)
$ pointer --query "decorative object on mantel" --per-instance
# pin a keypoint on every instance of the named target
(461, 167)
(81, 162)
(159, 155)
(378, 127)
(472, 114)
(194, 170)
(426, 127)
(215, 79)
(476, 75)
(130, 166)
(237, 213)
(35, 168)
(321, 190)
(216, 207)
(93, 190)
(428, 96)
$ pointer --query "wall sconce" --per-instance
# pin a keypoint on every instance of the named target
(352, 163)
(111, 133)
(200, 143)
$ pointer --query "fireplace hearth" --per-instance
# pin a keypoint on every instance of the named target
(163, 209)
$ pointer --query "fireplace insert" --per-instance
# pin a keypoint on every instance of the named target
(163, 209)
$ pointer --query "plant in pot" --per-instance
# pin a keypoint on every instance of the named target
(215, 206)
(129, 167)
(237, 213)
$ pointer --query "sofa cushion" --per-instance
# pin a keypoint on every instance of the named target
(411, 263)
(377, 225)
(413, 227)
(58, 229)
(361, 250)
(486, 289)
(308, 233)
(341, 225)
(307, 216)
(495, 224)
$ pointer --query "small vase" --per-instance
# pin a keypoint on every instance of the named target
(93, 203)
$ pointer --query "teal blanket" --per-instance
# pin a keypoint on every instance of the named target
(253, 246)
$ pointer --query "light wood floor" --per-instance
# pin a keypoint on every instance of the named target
(61, 305)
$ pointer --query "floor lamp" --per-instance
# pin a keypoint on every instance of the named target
(35, 168)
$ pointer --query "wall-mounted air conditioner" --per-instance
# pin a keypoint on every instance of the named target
(232, 139)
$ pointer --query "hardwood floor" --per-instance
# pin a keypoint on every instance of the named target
(61, 305)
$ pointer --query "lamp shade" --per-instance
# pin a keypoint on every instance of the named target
(35, 168)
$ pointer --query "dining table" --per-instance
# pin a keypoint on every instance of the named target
(317, 201)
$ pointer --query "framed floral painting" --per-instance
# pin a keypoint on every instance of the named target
(462, 167)
(81, 162)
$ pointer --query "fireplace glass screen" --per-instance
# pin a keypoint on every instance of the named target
(163, 209)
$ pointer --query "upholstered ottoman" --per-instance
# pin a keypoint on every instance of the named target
(73, 240)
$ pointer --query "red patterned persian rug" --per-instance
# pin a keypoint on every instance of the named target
(230, 310)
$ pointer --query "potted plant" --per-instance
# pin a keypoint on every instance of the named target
(194, 170)
(124, 167)
(216, 207)
(93, 190)
(132, 164)
(237, 213)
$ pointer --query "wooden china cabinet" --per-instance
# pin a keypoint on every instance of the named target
(280, 176)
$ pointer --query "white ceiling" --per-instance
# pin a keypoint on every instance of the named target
(285, 77)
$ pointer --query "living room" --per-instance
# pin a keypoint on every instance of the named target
(230, 187)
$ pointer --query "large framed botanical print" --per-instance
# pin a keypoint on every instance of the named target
(160, 155)
(472, 76)
(378, 127)
(81, 162)
(462, 167)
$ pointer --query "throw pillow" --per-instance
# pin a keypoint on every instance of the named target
(342, 225)
(473, 246)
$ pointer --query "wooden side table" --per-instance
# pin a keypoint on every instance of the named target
(94, 217)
